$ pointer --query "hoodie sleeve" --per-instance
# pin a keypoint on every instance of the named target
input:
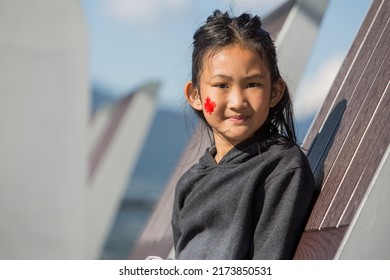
(286, 206)
(175, 220)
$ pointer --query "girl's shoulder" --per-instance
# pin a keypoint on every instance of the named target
(281, 150)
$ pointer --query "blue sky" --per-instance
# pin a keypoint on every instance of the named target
(133, 42)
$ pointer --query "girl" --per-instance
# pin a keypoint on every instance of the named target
(250, 194)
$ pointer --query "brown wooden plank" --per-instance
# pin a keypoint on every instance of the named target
(377, 143)
(353, 176)
(352, 94)
(355, 149)
(344, 95)
(330, 101)
(322, 244)
(358, 149)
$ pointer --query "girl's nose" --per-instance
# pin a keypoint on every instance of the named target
(237, 99)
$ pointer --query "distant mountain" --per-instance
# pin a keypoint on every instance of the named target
(100, 96)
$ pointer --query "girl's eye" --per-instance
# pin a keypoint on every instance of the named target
(222, 86)
(250, 85)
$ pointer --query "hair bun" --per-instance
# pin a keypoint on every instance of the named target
(247, 20)
(218, 16)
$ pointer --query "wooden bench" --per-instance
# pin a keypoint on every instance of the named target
(345, 145)
(349, 136)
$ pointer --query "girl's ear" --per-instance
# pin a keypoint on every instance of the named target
(192, 95)
(277, 93)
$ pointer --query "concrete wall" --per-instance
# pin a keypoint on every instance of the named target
(44, 109)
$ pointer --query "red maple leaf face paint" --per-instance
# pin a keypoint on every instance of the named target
(209, 105)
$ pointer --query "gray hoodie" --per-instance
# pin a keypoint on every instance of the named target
(252, 205)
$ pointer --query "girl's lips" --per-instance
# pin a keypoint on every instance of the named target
(238, 118)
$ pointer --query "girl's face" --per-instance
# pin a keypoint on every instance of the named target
(235, 93)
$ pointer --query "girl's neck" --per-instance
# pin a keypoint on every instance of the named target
(222, 146)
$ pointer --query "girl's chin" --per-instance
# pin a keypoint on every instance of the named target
(235, 138)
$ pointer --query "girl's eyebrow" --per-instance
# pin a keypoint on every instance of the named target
(255, 76)
(249, 77)
(221, 76)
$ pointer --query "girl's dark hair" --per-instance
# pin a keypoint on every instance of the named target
(221, 30)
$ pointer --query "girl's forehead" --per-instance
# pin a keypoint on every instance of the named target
(231, 48)
(235, 54)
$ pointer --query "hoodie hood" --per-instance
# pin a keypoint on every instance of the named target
(245, 150)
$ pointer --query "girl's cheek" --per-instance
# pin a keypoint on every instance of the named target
(209, 105)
